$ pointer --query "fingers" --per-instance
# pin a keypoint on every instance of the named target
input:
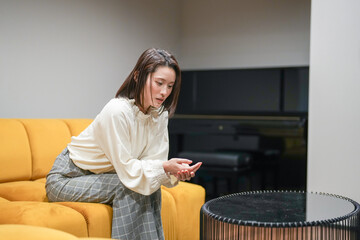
(184, 175)
(189, 173)
(183, 160)
(185, 172)
(195, 167)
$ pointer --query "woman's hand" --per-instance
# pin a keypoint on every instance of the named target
(180, 168)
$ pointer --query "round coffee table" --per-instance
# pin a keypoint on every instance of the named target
(280, 215)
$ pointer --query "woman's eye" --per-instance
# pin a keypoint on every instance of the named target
(170, 86)
(159, 83)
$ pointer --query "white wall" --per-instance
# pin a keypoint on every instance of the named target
(246, 33)
(334, 114)
(64, 58)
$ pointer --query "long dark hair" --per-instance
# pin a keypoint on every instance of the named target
(149, 61)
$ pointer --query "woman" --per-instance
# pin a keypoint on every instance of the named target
(121, 158)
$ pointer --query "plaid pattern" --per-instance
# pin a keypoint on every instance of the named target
(135, 216)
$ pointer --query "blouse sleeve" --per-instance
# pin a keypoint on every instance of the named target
(144, 175)
(159, 149)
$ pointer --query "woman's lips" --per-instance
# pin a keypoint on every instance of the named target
(160, 100)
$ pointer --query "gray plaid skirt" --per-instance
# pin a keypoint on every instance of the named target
(135, 216)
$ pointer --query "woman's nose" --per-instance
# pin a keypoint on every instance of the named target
(164, 90)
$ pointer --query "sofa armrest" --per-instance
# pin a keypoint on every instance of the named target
(189, 199)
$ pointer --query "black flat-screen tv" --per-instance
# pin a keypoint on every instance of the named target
(244, 91)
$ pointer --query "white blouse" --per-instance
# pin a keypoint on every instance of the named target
(125, 140)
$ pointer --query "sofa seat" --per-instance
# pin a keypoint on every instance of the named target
(29, 148)
(24, 191)
(16, 232)
(31, 208)
(44, 214)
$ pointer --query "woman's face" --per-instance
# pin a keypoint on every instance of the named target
(158, 87)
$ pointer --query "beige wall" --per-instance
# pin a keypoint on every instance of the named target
(334, 114)
(66, 58)
(245, 33)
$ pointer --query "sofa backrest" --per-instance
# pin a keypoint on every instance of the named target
(15, 154)
(76, 126)
(29, 146)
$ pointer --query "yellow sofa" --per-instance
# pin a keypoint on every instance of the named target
(28, 148)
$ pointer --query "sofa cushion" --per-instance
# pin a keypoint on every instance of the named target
(23, 191)
(76, 126)
(18, 231)
(3, 200)
(48, 137)
(41, 180)
(15, 151)
(43, 214)
(95, 215)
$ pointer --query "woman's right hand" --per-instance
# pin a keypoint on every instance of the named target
(180, 168)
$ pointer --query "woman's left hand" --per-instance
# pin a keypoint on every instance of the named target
(185, 174)
(180, 168)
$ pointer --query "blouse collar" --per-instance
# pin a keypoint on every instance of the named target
(153, 114)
